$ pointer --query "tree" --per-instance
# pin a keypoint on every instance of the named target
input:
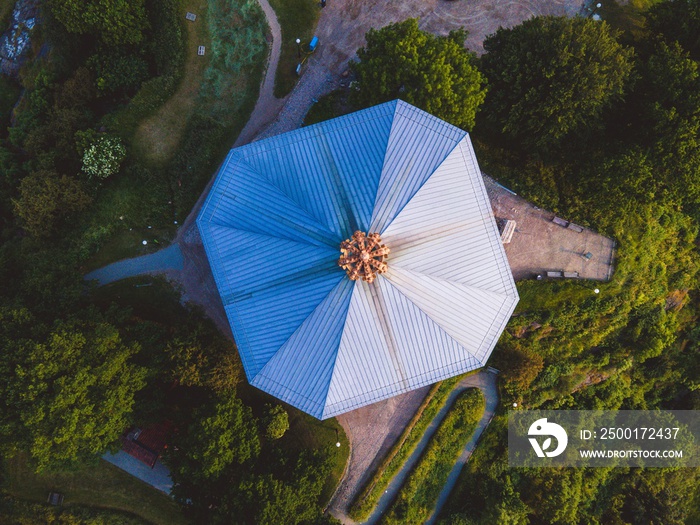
(519, 367)
(551, 78)
(215, 439)
(669, 96)
(103, 157)
(45, 198)
(67, 392)
(117, 72)
(433, 73)
(276, 421)
(677, 21)
(114, 22)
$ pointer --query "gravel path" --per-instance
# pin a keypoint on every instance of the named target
(483, 380)
(268, 106)
(167, 259)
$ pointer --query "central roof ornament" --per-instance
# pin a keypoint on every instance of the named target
(363, 256)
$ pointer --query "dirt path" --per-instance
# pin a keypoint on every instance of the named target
(158, 137)
(268, 106)
(483, 380)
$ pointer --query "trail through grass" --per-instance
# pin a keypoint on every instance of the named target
(159, 135)
(418, 497)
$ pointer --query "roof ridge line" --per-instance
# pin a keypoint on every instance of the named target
(262, 369)
(455, 283)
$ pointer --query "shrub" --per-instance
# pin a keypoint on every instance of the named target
(104, 157)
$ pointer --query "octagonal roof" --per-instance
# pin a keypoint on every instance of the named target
(272, 226)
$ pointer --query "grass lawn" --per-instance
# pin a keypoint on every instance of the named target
(127, 244)
(369, 496)
(158, 136)
(101, 485)
(309, 433)
(298, 19)
(332, 105)
(420, 492)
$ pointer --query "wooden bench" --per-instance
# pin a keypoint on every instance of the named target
(575, 227)
(560, 222)
(508, 231)
(555, 274)
(571, 275)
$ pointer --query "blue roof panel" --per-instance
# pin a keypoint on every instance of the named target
(331, 169)
(272, 227)
(300, 373)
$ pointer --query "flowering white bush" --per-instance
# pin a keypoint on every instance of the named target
(103, 157)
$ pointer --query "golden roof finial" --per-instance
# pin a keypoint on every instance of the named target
(363, 256)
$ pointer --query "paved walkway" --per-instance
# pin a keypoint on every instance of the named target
(169, 258)
(483, 380)
(157, 477)
(490, 390)
(539, 245)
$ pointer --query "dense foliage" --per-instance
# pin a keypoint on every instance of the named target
(551, 78)
(633, 173)
(433, 73)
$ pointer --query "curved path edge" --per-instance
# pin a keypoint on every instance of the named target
(484, 380)
(267, 106)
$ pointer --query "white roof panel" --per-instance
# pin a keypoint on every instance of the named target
(272, 228)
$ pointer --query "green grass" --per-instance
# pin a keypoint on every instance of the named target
(490, 453)
(368, 498)
(161, 185)
(101, 485)
(309, 433)
(126, 244)
(298, 19)
(553, 295)
(156, 138)
(417, 498)
(19, 511)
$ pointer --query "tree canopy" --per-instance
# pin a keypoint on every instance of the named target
(68, 392)
(433, 73)
(677, 21)
(115, 22)
(551, 77)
